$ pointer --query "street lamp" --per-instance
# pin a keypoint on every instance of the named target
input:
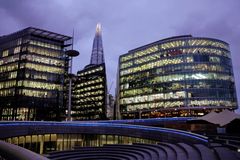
(70, 53)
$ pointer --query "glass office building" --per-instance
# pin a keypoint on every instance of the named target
(177, 76)
(32, 69)
(90, 85)
(89, 93)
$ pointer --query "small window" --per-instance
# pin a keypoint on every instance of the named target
(201, 58)
(5, 53)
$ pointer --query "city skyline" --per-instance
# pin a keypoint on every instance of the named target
(126, 26)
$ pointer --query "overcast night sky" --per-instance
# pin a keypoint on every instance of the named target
(127, 24)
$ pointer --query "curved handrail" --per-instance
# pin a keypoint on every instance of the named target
(10, 151)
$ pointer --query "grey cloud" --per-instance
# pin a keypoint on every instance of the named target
(127, 24)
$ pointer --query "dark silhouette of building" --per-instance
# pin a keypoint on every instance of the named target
(177, 76)
(90, 85)
(32, 68)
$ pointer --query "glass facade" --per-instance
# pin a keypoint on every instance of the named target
(32, 68)
(89, 93)
(178, 76)
(45, 143)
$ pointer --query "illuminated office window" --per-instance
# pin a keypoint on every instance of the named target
(5, 53)
(16, 50)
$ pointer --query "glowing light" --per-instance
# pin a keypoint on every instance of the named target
(98, 28)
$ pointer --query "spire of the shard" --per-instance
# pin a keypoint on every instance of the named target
(97, 56)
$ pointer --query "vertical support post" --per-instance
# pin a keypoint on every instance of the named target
(70, 53)
(70, 90)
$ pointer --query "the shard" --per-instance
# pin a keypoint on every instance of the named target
(97, 56)
(90, 86)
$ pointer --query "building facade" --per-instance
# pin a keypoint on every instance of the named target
(90, 85)
(177, 76)
(32, 68)
(89, 93)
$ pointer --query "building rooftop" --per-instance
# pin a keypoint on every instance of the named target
(41, 33)
(167, 40)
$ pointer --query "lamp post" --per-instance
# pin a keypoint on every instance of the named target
(70, 53)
